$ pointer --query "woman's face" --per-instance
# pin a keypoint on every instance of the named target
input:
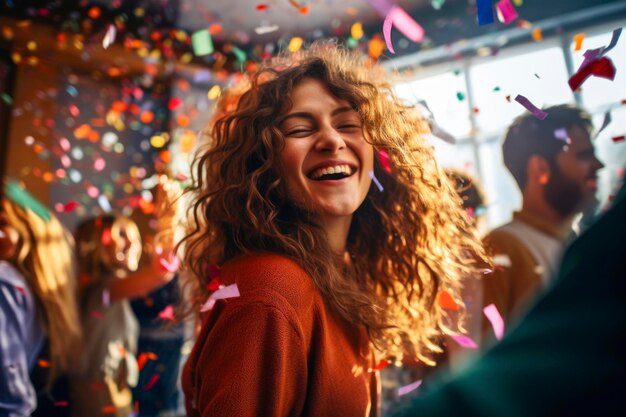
(326, 161)
(123, 249)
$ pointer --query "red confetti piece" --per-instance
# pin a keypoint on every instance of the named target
(619, 138)
(382, 364)
(152, 382)
(214, 285)
(70, 206)
(446, 301)
(262, 6)
(108, 409)
(61, 403)
(106, 236)
(43, 363)
(602, 67)
(174, 103)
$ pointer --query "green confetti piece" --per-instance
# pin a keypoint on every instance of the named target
(437, 4)
(456, 72)
(22, 198)
(239, 54)
(202, 43)
(496, 88)
(352, 43)
(7, 99)
(460, 96)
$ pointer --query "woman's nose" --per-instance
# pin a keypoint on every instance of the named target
(329, 140)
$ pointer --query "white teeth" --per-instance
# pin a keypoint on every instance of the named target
(330, 170)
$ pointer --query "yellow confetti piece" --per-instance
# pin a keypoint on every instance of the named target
(518, 2)
(214, 92)
(537, 35)
(187, 141)
(157, 141)
(578, 41)
(295, 44)
(357, 30)
(31, 45)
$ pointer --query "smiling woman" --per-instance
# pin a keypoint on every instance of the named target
(329, 268)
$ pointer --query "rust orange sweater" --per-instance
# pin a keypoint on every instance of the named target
(277, 350)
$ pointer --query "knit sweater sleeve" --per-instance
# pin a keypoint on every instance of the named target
(252, 360)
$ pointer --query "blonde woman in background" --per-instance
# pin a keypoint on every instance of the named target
(39, 322)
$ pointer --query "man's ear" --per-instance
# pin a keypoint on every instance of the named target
(538, 170)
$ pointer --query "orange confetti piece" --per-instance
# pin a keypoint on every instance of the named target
(43, 363)
(446, 301)
(94, 12)
(108, 409)
(182, 120)
(304, 10)
(578, 41)
(82, 131)
(165, 156)
(537, 34)
(146, 117)
(215, 28)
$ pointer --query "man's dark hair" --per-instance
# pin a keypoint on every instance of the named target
(528, 136)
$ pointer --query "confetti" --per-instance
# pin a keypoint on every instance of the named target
(382, 7)
(22, 198)
(262, 6)
(494, 317)
(618, 138)
(378, 184)
(152, 382)
(356, 31)
(109, 36)
(460, 96)
(601, 67)
(561, 134)
(406, 24)
(167, 313)
(170, 265)
(106, 298)
(437, 4)
(262, 30)
(465, 341)
(537, 112)
(104, 203)
(408, 388)
(485, 12)
(295, 44)
(230, 291)
(202, 42)
(506, 11)
(383, 158)
(61, 403)
(446, 301)
(214, 285)
(502, 260)
(387, 25)
(537, 35)
(381, 365)
(605, 122)
(578, 41)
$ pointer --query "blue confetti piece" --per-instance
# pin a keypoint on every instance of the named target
(378, 184)
(485, 12)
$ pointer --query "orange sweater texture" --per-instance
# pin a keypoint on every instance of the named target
(277, 350)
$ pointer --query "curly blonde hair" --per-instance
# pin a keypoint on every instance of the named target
(44, 257)
(406, 244)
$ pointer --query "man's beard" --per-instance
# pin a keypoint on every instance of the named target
(564, 195)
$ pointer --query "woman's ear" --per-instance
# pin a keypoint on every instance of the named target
(538, 170)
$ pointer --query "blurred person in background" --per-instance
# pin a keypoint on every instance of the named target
(39, 322)
(555, 166)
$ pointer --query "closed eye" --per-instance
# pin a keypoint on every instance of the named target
(300, 133)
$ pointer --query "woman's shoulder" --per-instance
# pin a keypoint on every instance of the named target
(270, 275)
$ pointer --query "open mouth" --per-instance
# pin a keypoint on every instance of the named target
(337, 172)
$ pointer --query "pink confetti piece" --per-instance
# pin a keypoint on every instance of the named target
(409, 388)
(406, 24)
(378, 184)
(506, 11)
(99, 164)
(536, 111)
(167, 313)
(170, 265)
(387, 25)
(106, 298)
(494, 317)
(382, 6)
(61, 403)
(383, 158)
(465, 341)
(230, 291)
(109, 36)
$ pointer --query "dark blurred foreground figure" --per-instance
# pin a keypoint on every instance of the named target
(566, 357)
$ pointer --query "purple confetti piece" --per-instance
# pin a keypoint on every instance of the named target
(465, 341)
(378, 184)
(536, 111)
(382, 7)
(616, 34)
(106, 298)
(607, 120)
(409, 388)
(561, 134)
